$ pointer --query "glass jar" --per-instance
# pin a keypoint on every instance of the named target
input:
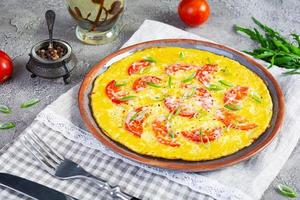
(98, 21)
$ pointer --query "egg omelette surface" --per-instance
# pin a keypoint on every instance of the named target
(179, 103)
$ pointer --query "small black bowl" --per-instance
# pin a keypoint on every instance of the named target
(52, 69)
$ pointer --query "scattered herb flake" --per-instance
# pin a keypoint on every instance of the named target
(223, 82)
(126, 98)
(286, 191)
(149, 59)
(190, 78)
(233, 107)
(30, 103)
(120, 84)
(256, 98)
(214, 87)
(181, 55)
(170, 81)
(7, 125)
(5, 109)
(153, 85)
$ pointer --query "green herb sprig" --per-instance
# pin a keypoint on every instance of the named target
(7, 125)
(274, 48)
(5, 109)
(29, 103)
(286, 191)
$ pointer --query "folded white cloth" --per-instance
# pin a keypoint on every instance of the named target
(246, 180)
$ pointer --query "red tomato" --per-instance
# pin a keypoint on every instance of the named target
(141, 83)
(161, 132)
(204, 98)
(173, 104)
(171, 69)
(134, 121)
(204, 74)
(203, 136)
(194, 12)
(113, 92)
(137, 66)
(6, 67)
(235, 95)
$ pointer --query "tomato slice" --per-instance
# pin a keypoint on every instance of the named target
(203, 136)
(176, 105)
(134, 120)
(114, 93)
(232, 120)
(235, 95)
(141, 83)
(204, 74)
(137, 66)
(171, 69)
(204, 98)
(160, 129)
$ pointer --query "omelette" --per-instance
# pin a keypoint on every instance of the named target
(180, 103)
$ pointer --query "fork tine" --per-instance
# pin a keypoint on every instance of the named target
(36, 155)
(53, 152)
(45, 148)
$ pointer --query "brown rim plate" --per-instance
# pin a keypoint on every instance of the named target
(189, 166)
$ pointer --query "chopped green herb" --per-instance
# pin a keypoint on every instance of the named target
(153, 85)
(170, 81)
(149, 59)
(214, 87)
(190, 78)
(5, 109)
(7, 125)
(256, 98)
(120, 84)
(233, 107)
(286, 191)
(126, 98)
(181, 55)
(30, 103)
(171, 134)
(223, 82)
(177, 111)
(134, 116)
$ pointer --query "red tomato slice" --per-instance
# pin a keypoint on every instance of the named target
(134, 121)
(113, 92)
(232, 120)
(204, 98)
(171, 69)
(235, 95)
(141, 83)
(137, 66)
(161, 132)
(175, 104)
(203, 136)
(204, 74)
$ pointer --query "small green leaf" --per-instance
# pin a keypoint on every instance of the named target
(181, 55)
(286, 191)
(7, 125)
(170, 81)
(126, 98)
(223, 82)
(256, 98)
(149, 59)
(120, 84)
(29, 103)
(233, 107)
(190, 78)
(214, 87)
(5, 109)
(153, 85)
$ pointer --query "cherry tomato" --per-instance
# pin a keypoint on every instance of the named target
(134, 121)
(6, 67)
(203, 136)
(194, 12)
(114, 93)
(235, 95)
(137, 66)
(162, 134)
(142, 82)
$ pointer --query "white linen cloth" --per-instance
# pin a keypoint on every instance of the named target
(246, 180)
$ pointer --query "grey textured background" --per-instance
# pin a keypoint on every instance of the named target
(22, 24)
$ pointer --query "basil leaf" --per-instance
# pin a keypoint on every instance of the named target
(153, 85)
(149, 59)
(190, 78)
(181, 55)
(7, 125)
(286, 191)
(29, 103)
(5, 109)
(223, 82)
(233, 107)
(126, 98)
(214, 87)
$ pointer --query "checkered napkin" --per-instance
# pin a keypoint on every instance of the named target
(61, 127)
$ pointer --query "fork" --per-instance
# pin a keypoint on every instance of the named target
(63, 168)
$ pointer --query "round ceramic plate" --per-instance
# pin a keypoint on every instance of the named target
(195, 166)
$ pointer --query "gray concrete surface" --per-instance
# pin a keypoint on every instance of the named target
(22, 25)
